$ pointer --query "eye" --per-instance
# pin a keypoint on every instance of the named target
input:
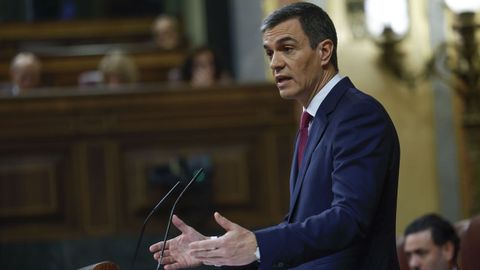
(269, 53)
(287, 48)
(409, 256)
(422, 253)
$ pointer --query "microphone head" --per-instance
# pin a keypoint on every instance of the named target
(199, 175)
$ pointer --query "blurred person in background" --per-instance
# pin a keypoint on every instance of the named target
(25, 72)
(166, 32)
(203, 68)
(118, 69)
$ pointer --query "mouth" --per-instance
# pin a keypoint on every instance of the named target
(281, 80)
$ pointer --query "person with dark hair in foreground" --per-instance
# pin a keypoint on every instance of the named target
(344, 174)
(431, 243)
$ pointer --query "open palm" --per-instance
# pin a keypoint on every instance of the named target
(177, 252)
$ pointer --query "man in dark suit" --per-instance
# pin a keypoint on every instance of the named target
(344, 175)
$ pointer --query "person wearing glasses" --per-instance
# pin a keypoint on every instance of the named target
(344, 174)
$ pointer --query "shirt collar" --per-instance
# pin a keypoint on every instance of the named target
(322, 94)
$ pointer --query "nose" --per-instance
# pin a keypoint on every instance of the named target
(414, 263)
(276, 62)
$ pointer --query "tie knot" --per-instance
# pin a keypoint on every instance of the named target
(305, 120)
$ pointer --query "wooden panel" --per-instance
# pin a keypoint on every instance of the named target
(35, 37)
(28, 186)
(231, 185)
(100, 190)
(64, 70)
(37, 195)
(230, 182)
(92, 155)
(76, 30)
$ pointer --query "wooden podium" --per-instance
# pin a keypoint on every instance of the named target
(101, 266)
(87, 157)
(82, 164)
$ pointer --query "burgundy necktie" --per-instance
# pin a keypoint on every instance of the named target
(303, 136)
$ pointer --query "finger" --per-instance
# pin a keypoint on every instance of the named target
(205, 245)
(172, 266)
(207, 255)
(157, 246)
(167, 260)
(214, 262)
(179, 224)
(224, 222)
(157, 255)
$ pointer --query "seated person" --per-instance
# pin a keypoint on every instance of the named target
(25, 71)
(117, 69)
(203, 68)
(431, 243)
(166, 33)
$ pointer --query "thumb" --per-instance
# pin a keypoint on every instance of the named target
(179, 224)
(224, 222)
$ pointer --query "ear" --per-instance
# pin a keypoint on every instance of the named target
(448, 250)
(325, 51)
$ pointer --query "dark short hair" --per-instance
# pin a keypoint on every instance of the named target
(315, 22)
(187, 67)
(442, 231)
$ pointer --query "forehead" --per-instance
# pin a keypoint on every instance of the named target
(29, 66)
(288, 30)
(422, 239)
(164, 23)
(204, 55)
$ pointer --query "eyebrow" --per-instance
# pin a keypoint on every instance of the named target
(282, 40)
(416, 251)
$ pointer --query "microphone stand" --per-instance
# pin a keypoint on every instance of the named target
(142, 230)
(171, 214)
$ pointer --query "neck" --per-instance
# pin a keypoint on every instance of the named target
(327, 76)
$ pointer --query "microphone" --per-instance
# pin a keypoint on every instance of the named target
(142, 230)
(197, 174)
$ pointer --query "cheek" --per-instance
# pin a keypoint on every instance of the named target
(308, 69)
(434, 261)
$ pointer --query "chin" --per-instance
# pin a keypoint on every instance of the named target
(287, 94)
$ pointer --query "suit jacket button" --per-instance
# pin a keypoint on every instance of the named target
(279, 265)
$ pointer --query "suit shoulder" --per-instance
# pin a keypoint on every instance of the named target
(356, 99)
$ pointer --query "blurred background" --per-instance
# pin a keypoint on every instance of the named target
(105, 104)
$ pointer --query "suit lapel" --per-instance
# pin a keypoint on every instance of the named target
(294, 167)
(317, 130)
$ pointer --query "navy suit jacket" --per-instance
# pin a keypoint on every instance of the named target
(343, 197)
